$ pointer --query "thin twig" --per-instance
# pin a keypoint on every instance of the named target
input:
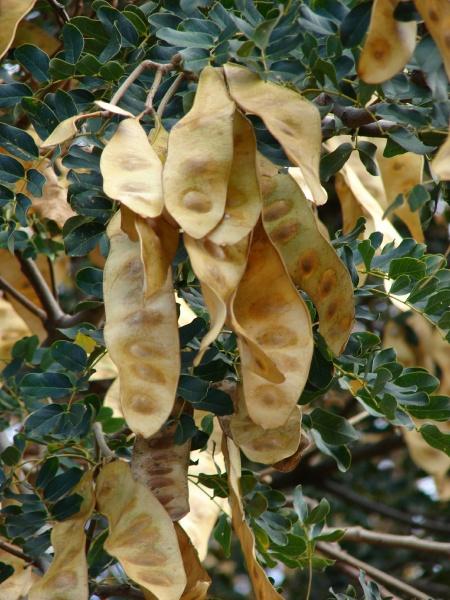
(154, 88)
(100, 439)
(14, 552)
(60, 11)
(6, 287)
(52, 277)
(169, 94)
(336, 553)
(120, 589)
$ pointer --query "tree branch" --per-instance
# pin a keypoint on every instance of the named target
(6, 287)
(60, 11)
(336, 553)
(106, 591)
(14, 552)
(169, 94)
(105, 450)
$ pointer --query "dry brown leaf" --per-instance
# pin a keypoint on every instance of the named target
(389, 43)
(436, 14)
(67, 576)
(266, 446)
(290, 118)
(141, 535)
(198, 580)
(199, 158)
(53, 203)
(141, 334)
(310, 259)
(243, 205)
(441, 162)
(275, 320)
(262, 588)
(11, 13)
(132, 171)
(219, 270)
(162, 466)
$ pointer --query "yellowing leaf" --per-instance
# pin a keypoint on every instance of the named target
(262, 588)
(243, 205)
(389, 43)
(310, 259)
(199, 158)
(291, 119)
(141, 535)
(198, 580)
(162, 466)
(132, 171)
(436, 14)
(441, 162)
(65, 130)
(11, 13)
(260, 445)
(219, 270)
(269, 314)
(67, 576)
(85, 341)
(141, 334)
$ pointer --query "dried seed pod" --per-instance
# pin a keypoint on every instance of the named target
(441, 162)
(141, 535)
(260, 445)
(17, 586)
(389, 43)
(64, 131)
(243, 205)
(12, 11)
(436, 15)
(219, 270)
(199, 158)
(262, 588)
(132, 171)
(310, 259)
(141, 333)
(162, 466)
(276, 320)
(198, 580)
(67, 576)
(290, 118)
(53, 203)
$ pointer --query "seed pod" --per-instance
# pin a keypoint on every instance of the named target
(141, 534)
(67, 576)
(199, 158)
(310, 259)
(260, 445)
(290, 118)
(389, 43)
(162, 466)
(262, 588)
(441, 162)
(12, 11)
(132, 171)
(141, 333)
(436, 15)
(243, 205)
(198, 580)
(274, 317)
(219, 270)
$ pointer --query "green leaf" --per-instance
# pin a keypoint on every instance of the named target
(407, 266)
(43, 385)
(186, 429)
(35, 60)
(41, 115)
(63, 483)
(10, 169)
(408, 141)
(334, 161)
(47, 472)
(367, 151)
(18, 142)
(5, 571)
(10, 456)
(12, 93)
(90, 281)
(318, 513)
(263, 31)
(66, 507)
(73, 43)
(61, 69)
(82, 238)
(185, 39)
(300, 505)
(222, 534)
(355, 25)
(418, 197)
(334, 429)
(435, 438)
(35, 182)
(438, 409)
(69, 355)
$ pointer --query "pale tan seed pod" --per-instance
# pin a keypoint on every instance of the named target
(436, 14)
(11, 12)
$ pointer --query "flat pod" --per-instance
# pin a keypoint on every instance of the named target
(11, 13)
(219, 270)
(262, 588)
(441, 162)
(198, 580)
(132, 171)
(162, 466)
(199, 158)
(141, 535)
(67, 576)
(290, 118)
(389, 43)
(141, 334)
(271, 313)
(243, 205)
(399, 175)
(436, 14)
(266, 446)
(310, 259)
